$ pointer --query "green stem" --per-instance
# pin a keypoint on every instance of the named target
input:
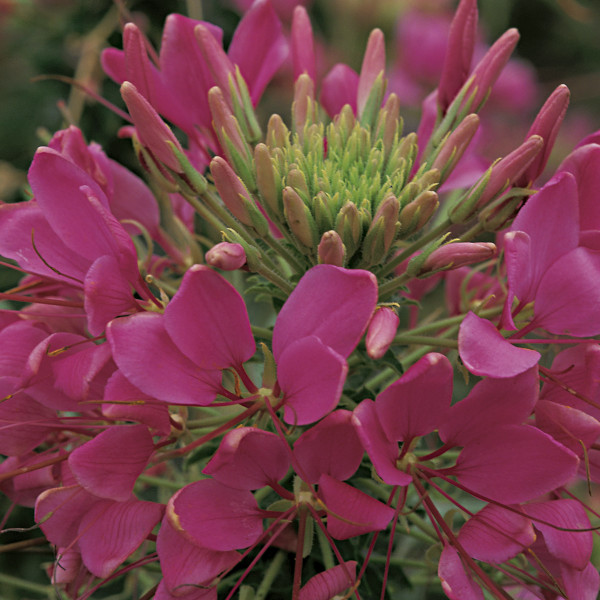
(280, 249)
(46, 590)
(262, 332)
(269, 575)
(389, 287)
(468, 235)
(326, 553)
(423, 339)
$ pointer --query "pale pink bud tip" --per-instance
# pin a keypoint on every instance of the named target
(331, 249)
(381, 332)
(226, 256)
(452, 256)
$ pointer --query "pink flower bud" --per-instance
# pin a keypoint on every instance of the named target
(459, 54)
(381, 332)
(231, 188)
(546, 124)
(455, 145)
(510, 168)
(303, 51)
(452, 256)
(151, 129)
(372, 66)
(226, 256)
(331, 249)
(489, 68)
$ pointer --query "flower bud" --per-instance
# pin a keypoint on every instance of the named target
(546, 124)
(302, 44)
(371, 84)
(299, 218)
(303, 107)
(236, 197)
(382, 329)
(452, 149)
(226, 256)
(349, 227)
(459, 254)
(265, 180)
(382, 231)
(230, 136)
(152, 131)
(331, 250)
(415, 215)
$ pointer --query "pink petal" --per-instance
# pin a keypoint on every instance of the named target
(330, 447)
(184, 564)
(149, 359)
(107, 294)
(358, 512)
(258, 62)
(567, 425)
(59, 511)
(583, 585)
(495, 534)
(302, 44)
(417, 403)
(372, 66)
(485, 352)
(163, 593)
(214, 334)
(109, 465)
(571, 547)
(457, 583)
(514, 463)
(111, 531)
(216, 516)
(331, 303)
(311, 376)
(330, 583)
(566, 298)
(382, 452)
(126, 398)
(491, 403)
(249, 459)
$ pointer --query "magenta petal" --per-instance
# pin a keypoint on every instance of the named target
(456, 582)
(358, 512)
(110, 531)
(249, 459)
(109, 465)
(186, 565)
(163, 593)
(122, 402)
(258, 62)
(382, 452)
(492, 402)
(571, 547)
(567, 425)
(514, 463)
(339, 87)
(417, 403)
(567, 298)
(58, 512)
(485, 352)
(583, 585)
(216, 516)
(331, 447)
(311, 376)
(332, 303)
(208, 322)
(496, 534)
(148, 357)
(330, 583)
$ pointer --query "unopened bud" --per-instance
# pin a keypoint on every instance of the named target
(381, 332)
(371, 85)
(349, 227)
(382, 232)
(295, 178)
(265, 180)
(459, 254)
(152, 131)
(226, 256)
(388, 123)
(277, 133)
(331, 250)
(236, 196)
(452, 149)
(415, 215)
(230, 136)
(302, 44)
(303, 107)
(546, 124)
(299, 218)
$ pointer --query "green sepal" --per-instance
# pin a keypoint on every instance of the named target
(270, 368)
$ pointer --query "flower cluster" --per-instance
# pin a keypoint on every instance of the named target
(438, 439)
